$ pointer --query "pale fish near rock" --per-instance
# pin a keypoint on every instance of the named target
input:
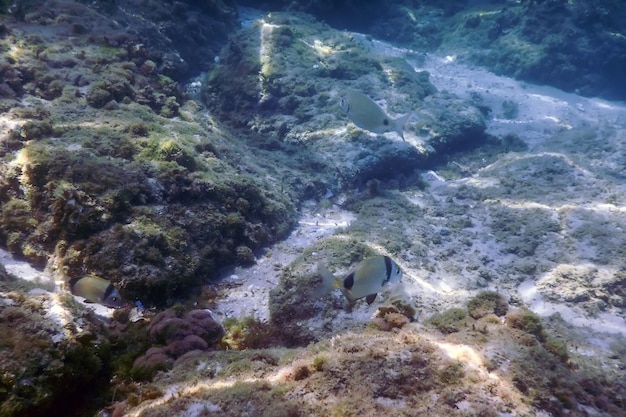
(368, 115)
(367, 279)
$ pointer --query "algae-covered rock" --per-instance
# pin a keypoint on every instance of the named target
(529, 40)
(533, 41)
(170, 335)
(54, 354)
(449, 321)
(283, 76)
(296, 299)
(455, 123)
(107, 178)
(526, 320)
(376, 373)
(485, 303)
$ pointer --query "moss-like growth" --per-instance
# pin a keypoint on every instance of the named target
(170, 107)
(98, 97)
(17, 223)
(320, 362)
(527, 321)
(16, 216)
(449, 321)
(452, 373)
(36, 129)
(249, 333)
(43, 371)
(558, 348)
(389, 321)
(169, 150)
(487, 302)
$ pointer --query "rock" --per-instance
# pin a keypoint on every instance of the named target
(299, 102)
(190, 342)
(53, 353)
(487, 303)
(154, 360)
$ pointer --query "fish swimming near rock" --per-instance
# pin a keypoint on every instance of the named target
(368, 115)
(97, 290)
(366, 280)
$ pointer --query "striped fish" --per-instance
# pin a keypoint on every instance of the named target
(97, 290)
(366, 280)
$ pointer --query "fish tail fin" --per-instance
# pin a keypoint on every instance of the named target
(400, 122)
(329, 281)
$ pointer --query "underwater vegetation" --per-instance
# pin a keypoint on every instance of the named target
(504, 361)
(574, 45)
(135, 197)
(42, 360)
(112, 167)
(283, 76)
(543, 367)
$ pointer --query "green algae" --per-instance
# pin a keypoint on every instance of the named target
(487, 302)
(169, 150)
(449, 321)
(527, 321)
(83, 180)
(39, 372)
(249, 333)
(155, 237)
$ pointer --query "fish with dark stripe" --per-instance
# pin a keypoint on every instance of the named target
(97, 290)
(366, 280)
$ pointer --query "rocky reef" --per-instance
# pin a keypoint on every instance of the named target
(111, 169)
(573, 45)
(282, 78)
(458, 363)
(195, 155)
(51, 348)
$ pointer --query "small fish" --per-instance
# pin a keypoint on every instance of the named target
(139, 306)
(97, 290)
(368, 115)
(366, 280)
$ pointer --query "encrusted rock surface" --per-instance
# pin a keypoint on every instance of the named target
(503, 207)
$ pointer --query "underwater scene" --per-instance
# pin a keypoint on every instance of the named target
(312, 208)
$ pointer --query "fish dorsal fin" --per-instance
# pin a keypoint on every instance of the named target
(370, 298)
(348, 281)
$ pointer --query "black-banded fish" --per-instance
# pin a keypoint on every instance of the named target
(368, 115)
(97, 290)
(366, 280)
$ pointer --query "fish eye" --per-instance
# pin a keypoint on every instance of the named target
(386, 122)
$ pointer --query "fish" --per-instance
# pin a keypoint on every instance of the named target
(97, 290)
(368, 115)
(366, 280)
